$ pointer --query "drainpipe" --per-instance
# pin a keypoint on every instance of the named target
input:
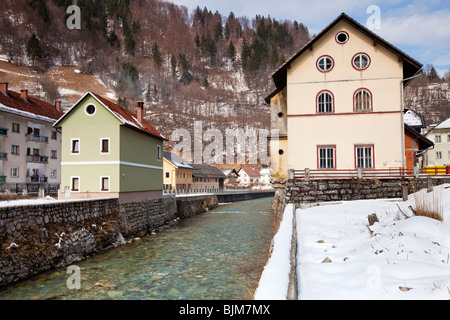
(402, 125)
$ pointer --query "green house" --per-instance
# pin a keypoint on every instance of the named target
(109, 152)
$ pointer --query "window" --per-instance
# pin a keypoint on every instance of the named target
(361, 61)
(326, 157)
(14, 172)
(54, 135)
(325, 64)
(75, 184)
(75, 148)
(362, 101)
(448, 138)
(437, 139)
(364, 157)
(167, 174)
(15, 150)
(438, 155)
(158, 152)
(342, 37)
(325, 102)
(104, 184)
(90, 110)
(104, 145)
(16, 127)
(53, 154)
(53, 174)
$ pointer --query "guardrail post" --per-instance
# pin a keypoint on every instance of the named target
(307, 171)
(291, 174)
(359, 173)
(416, 172)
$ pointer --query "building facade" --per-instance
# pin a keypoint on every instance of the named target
(109, 152)
(206, 178)
(440, 154)
(339, 102)
(30, 147)
(249, 176)
(177, 174)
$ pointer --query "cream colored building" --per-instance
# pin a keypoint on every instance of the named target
(177, 174)
(440, 154)
(338, 102)
(30, 148)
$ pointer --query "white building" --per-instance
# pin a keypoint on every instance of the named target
(440, 154)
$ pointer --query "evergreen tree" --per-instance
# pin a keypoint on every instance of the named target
(157, 57)
(34, 50)
(232, 51)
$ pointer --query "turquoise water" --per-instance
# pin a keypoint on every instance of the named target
(215, 255)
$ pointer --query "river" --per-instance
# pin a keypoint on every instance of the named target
(219, 254)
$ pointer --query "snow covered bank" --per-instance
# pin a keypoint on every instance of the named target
(274, 282)
(341, 257)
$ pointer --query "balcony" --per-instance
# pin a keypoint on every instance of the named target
(3, 132)
(2, 179)
(35, 138)
(3, 156)
(37, 159)
(37, 179)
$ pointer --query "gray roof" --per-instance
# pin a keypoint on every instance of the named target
(207, 171)
(176, 160)
(443, 125)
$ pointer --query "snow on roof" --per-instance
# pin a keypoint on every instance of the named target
(443, 125)
(176, 160)
(413, 119)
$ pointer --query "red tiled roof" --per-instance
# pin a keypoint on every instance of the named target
(252, 172)
(32, 105)
(129, 118)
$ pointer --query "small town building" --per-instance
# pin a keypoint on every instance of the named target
(231, 180)
(177, 174)
(30, 147)
(109, 152)
(207, 178)
(338, 103)
(249, 176)
(440, 154)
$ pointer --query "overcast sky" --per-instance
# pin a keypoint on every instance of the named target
(421, 28)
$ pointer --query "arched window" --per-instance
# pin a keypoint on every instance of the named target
(325, 64)
(325, 102)
(361, 61)
(362, 101)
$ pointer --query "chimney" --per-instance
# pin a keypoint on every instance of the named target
(58, 105)
(4, 87)
(140, 112)
(24, 94)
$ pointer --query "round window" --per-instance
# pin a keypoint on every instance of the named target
(281, 152)
(90, 109)
(361, 61)
(325, 63)
(280, 115)
(342, 37)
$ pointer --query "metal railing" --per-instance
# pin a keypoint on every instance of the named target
(370, 173)
(3, 156)
(37, 159)
(36, 138)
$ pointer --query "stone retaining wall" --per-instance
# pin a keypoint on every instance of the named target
(302, 191)
(35, 238)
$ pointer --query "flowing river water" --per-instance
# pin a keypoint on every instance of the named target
(219, 254)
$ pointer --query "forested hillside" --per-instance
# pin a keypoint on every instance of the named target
(186, 66)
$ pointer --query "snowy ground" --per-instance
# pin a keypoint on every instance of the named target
(339, 256)
(398, 258)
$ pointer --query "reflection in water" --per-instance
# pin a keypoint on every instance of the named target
(214, 255)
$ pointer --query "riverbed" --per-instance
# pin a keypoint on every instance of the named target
(219, 254)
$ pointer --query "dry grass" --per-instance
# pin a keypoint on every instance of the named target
(429, 204)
